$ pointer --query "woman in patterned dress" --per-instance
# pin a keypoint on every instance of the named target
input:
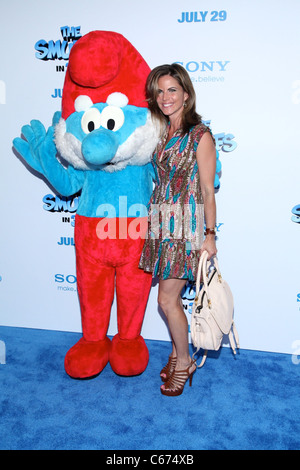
(184, 163)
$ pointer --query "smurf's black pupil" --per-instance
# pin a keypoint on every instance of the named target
(91, 126)
(110, 124)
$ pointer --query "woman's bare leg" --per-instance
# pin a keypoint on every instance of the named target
(170, 302)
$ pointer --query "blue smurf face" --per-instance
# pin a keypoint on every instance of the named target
(103, 127)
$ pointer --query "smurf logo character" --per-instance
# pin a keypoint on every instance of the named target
(104, 137)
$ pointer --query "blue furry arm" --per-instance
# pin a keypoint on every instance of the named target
(39, 151)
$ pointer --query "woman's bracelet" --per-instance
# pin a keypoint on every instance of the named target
(210, 231)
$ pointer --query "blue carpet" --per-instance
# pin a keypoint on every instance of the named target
(250, 402)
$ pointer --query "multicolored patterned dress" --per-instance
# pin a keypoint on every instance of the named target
(176, 211)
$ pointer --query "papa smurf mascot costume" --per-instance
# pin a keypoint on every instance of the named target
(105, 137)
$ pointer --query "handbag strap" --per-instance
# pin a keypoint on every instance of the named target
(202, 262)
(202, 269)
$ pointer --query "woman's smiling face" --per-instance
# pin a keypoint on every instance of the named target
(170, 97)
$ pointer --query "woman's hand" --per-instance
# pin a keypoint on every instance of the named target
(209, 245)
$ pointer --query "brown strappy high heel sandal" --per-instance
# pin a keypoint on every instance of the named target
(167, 371)
(175, 385)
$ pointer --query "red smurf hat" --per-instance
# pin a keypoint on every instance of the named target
(101, 63)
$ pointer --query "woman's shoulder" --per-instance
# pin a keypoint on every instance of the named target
(200, 129)
(197, 131)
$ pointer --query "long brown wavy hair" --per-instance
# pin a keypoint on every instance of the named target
(189, 115)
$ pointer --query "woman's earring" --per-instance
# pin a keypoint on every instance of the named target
(184, 104)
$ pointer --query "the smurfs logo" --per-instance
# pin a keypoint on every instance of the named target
(60, 49)
(296, 214)
(58, 204)
(62, 204)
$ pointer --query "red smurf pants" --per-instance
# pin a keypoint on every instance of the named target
(107, 258)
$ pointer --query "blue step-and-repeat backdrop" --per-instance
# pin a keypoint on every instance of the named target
(243, 58)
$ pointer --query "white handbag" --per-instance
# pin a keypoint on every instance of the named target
(212, 312)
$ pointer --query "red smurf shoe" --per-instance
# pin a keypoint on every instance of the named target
(86, 359)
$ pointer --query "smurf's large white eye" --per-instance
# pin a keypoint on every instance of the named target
(112, 118)
(91, 120)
